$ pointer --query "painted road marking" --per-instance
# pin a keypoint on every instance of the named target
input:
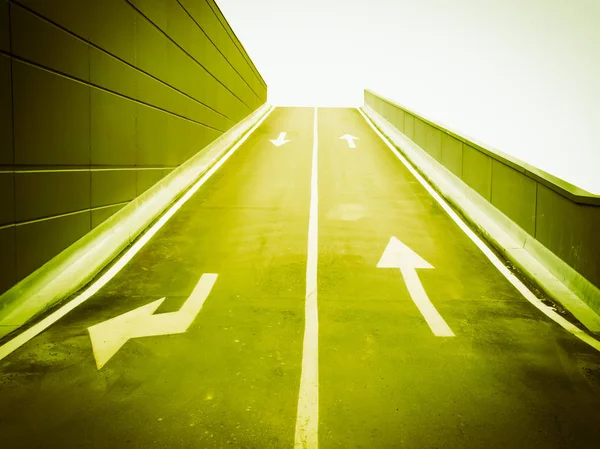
(280, 140)
(398, 255)
(110, 336)
(307, 419)
(515, 281)
(350, 139)
(30, 333)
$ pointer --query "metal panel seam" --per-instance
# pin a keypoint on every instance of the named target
(189, 55)
(218, 49)
(91, 44)
(236, 41)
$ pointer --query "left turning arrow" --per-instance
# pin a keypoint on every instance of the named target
(280, 140)
(109, 336)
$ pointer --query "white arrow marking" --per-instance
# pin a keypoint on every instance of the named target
(398, 255)
(350, 138)
(109, 336)
(280, 140)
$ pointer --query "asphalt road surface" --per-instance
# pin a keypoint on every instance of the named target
(420, 341)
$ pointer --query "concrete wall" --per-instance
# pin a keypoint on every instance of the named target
(560, 216)
(100, 99)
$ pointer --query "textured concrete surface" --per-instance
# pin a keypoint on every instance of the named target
(509, 378)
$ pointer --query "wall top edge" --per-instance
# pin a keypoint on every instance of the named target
(560, 186)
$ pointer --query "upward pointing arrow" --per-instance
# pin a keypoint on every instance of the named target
(350, 139)
(109, 336)
(398, 255)
(280, 140)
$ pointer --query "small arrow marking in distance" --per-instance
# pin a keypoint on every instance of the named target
(280, 140)
(398, 255)
(109, 336)
(350, 139)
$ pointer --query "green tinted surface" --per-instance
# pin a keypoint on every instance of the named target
(506, 378)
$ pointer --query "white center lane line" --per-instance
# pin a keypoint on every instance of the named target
(307, 419)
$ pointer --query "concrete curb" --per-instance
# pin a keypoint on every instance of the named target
(557, 279)
(78, 264)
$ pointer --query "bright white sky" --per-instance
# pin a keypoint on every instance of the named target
(522, 76)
